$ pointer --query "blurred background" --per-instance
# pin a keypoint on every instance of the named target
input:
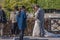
(51, 8)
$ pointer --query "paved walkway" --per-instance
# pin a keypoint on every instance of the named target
(30, 38)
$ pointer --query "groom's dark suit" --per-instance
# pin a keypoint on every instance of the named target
(41, 18)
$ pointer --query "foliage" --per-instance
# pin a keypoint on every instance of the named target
(49, 4)
(9, 4)
(46, 4)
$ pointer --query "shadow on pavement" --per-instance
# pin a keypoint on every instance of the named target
(24, 39)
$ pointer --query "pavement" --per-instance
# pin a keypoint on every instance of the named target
(30, 38)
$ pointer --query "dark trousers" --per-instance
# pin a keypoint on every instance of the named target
(21, 35)
(14, 29)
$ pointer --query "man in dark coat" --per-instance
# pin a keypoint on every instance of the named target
(21, 20)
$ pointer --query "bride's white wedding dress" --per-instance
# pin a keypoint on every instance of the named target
(36, 29)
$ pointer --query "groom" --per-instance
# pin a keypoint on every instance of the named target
(40, 17)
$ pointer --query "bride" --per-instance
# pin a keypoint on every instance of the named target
(38, 29)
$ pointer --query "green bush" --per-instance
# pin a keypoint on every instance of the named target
(46, 4)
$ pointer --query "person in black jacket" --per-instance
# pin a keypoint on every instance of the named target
(3, 19)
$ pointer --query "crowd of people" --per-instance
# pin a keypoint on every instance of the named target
(18, 18)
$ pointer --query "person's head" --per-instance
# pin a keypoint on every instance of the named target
(23, 8)
(16, 8)
(0, 6)
(36, 7)
(20, 9)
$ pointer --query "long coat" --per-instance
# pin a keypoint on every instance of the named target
(21, 20)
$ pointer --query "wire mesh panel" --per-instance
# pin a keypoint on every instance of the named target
(55, 25)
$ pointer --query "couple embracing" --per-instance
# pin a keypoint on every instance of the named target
(38, 30)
